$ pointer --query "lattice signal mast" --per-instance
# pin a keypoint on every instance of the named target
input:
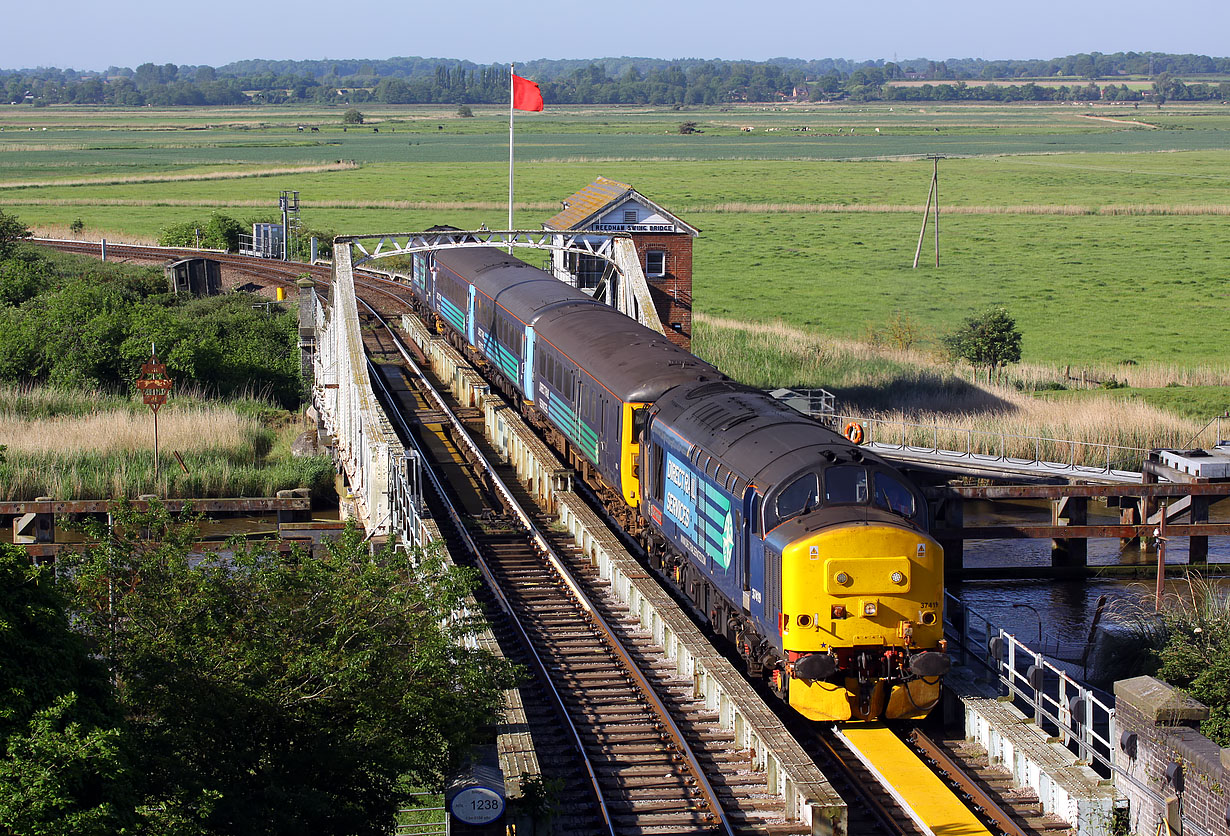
(288, 202)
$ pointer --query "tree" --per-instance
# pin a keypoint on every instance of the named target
(352, 117)
(62, 763)
(282, 691)
(11, 231)
(464, 111)
(689, 128)
(989, 339)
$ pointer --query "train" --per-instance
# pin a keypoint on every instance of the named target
(803, 551)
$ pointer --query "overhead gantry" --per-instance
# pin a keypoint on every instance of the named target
(624, 287)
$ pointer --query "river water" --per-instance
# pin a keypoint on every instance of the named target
(1062, 610)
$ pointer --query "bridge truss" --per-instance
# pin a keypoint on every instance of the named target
(628, 291)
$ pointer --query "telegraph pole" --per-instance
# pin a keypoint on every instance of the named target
(934, 192)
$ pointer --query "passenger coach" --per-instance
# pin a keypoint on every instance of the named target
(574, 364)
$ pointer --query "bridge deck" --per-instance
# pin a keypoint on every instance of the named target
(959, 462)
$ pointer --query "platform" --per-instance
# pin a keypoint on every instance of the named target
(931, 804)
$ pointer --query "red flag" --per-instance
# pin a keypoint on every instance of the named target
(526, 95)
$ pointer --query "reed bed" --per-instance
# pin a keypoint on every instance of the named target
(910, 398)
(89, 445)
(189, 429)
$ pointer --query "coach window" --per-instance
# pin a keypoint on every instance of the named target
(655, 263)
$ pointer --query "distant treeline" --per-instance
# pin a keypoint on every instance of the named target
(621, 81)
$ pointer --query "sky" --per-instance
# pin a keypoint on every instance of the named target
(92, 35)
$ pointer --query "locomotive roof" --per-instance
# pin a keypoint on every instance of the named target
(758, 437)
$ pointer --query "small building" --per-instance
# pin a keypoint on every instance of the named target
(266, 241)
(663, 244)
(196, 276)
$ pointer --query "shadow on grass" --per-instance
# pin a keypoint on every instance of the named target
(921, 392)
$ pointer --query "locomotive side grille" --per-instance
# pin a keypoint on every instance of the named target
(773, 580)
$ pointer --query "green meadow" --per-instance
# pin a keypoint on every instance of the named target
(1100, 228)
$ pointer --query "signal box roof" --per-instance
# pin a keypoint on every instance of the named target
(590, 206)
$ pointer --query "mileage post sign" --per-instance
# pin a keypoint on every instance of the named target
(155, 386)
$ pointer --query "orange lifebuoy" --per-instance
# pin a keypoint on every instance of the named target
(854, 432)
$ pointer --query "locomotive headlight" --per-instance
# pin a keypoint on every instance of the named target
(870, 608)
(843, 578)
(898, 577)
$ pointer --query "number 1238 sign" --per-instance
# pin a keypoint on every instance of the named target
(477, 805)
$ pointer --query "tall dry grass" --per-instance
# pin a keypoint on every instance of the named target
(909, 397)
(93, 445)
(62, 232)
(737, 207)
(241, 174)
(187, 429)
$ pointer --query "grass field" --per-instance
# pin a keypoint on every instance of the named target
(1100, 228)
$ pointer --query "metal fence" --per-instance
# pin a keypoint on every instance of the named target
(426, 818)
(986, 447)
(1077, 716)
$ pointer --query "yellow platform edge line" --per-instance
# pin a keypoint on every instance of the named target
(928, 800)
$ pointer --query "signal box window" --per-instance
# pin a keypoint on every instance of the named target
(588, 269)
(655, 263)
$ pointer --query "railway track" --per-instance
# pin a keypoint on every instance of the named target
(606, 704)
(645, 775)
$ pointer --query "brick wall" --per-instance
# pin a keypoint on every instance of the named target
(671, 293)
(1163, 721)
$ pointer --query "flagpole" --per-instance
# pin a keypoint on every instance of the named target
(512, 68)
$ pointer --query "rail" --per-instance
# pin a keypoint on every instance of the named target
(984, 447)
(669, 726)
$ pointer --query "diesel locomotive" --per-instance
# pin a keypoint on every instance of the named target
(808, 553)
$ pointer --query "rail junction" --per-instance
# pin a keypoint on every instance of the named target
(672, 738)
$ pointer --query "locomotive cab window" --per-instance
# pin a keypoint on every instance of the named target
(845, 485)
(799, 497)
(893, 495)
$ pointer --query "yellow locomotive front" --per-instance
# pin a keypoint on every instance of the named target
(862, 622)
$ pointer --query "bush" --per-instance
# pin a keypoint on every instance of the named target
(11, 231)
(352, 117)
(220, 232)
(1189, 647)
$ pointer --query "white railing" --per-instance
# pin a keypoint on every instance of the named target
(984, 447)
(343, 396)
(1067, 710)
